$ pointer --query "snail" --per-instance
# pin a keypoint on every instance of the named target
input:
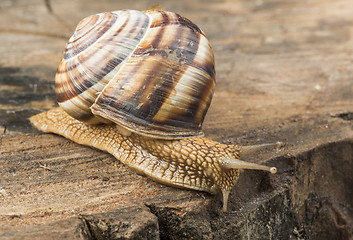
(138, 84)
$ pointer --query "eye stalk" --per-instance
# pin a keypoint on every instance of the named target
(239, 164)
(246, 150)
(234, 163)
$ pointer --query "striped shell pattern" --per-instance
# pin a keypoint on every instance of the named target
(150, 72)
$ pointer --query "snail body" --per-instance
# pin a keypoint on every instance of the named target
(149, 76)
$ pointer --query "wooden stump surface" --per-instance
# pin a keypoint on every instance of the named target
(284, 73)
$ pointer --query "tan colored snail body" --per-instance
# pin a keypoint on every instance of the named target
(149, 77)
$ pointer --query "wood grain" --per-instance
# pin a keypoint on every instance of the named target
(284, 73)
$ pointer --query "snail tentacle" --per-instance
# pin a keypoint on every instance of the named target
(247, 150)
(239, 164)
(225, 195)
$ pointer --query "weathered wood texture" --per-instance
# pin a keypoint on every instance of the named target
(284, 73)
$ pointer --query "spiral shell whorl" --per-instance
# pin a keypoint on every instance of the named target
(151, 72)
(93, 56)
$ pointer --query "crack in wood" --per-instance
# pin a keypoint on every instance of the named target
(347, 116)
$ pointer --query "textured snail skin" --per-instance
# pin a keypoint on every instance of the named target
(192, 163)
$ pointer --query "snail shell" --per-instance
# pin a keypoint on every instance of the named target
(150, 72)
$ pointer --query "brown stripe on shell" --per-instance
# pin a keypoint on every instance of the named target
(185, 53)
(129, 92)
(160, 85)
(79, 107)
(87, 57)
(185, 50)
(84, 28)
(139, 109)
(77, 82)
(93, 34)
(176, 110)
(81, 83)
(164, 63)
(193, 44)
(85, 117)
(186, 22)
(159, 18)
(205, 98)
(166, 74)
(204, 58)
(165, 21)
(63, 90)
(118, 91)
(206, 67)
(86, 23)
